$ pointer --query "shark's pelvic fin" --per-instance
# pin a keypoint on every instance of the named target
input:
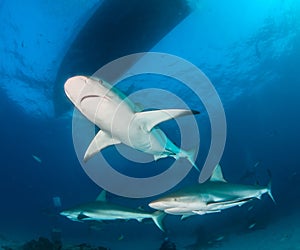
(185, 216)
(100, 141)
(157, 157)
(101, 196)
(153, 118)
(217, 174)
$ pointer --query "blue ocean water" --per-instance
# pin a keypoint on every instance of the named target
(250, 51)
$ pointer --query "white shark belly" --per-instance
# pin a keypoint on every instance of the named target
(115, 215)
(154, 142)
(108, 113)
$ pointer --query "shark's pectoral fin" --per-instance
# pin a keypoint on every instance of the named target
(158, 218)
(152, 118)
(100, 141)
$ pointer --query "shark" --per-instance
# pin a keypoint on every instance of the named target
(101, 210)
(212, 196)
(121, 121)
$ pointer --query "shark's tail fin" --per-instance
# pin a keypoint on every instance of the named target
(269, 187)
(269, 191)
(158, 217)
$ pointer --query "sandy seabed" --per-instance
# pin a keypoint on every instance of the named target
(281, 234)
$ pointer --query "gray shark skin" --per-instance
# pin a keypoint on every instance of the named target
(101, 210)
(121, 121)
(212, 196)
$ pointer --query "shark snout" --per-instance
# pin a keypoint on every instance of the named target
(72, 215)
(65, 213)
(161, 204)
(74, 87)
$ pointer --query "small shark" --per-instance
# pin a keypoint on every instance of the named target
(214, 195)
(121, 121)
(101, 210)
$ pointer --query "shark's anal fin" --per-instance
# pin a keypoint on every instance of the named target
(152, 118)
(100, 141)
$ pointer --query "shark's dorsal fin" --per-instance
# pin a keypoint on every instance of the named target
(101, 196)
(138, 107)
(154, 117)
(217, 174)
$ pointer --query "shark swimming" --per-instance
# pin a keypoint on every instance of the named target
(101, 210)
(213, 196)
(121, 121)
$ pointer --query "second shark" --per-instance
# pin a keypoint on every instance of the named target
(212, 196)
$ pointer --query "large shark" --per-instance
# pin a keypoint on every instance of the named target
(121, 121)
(212, 196)
(101, 210)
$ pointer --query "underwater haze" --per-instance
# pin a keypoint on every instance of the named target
(250, 52)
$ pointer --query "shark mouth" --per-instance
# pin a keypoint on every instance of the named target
(94, 96)
(88, 96)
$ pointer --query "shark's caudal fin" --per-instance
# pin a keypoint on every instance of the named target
(269, 187)
(269, 191)
(158, 217)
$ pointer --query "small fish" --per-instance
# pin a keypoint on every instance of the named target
(220, 238)
(250, 208)
(37, 158)
(256, 164)
(56, 201)
(252, 226)
(121, 237)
